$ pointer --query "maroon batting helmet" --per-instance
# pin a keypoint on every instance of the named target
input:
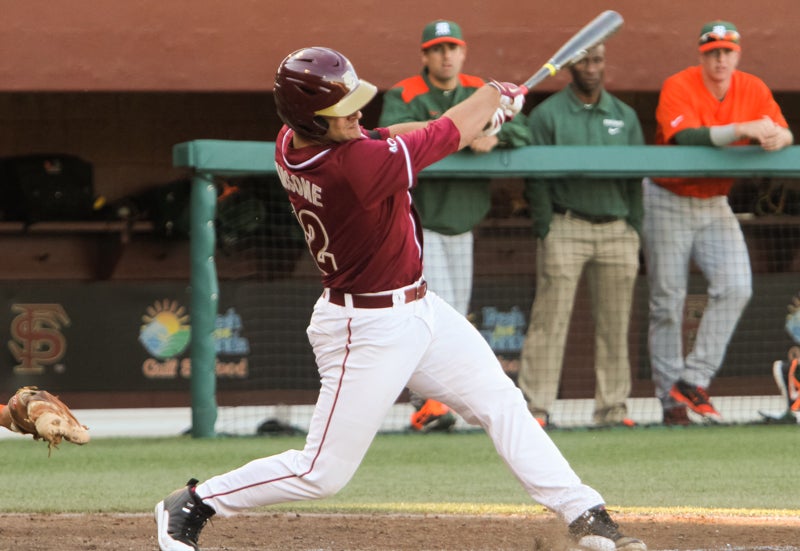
(316, 82)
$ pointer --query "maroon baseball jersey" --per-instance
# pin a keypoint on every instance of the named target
(353, 201)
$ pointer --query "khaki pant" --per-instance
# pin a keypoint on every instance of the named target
(610, 255)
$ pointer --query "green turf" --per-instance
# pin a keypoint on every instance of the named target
(743, 467)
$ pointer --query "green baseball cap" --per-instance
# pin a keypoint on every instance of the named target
(719, 34)
(440, 31)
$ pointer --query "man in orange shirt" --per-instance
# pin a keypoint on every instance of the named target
(690, 219)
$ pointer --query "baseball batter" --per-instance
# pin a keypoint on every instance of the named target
(376, 328)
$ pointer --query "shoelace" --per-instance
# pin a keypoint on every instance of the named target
(703, 394)
(697, 395)
(595, 521)
(193, 523)
(605, 520)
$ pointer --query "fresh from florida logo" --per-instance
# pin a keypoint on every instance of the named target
(165, 332)
(165, 335)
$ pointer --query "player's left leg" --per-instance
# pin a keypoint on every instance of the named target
(560, 260)
(611, 278)
(668, 231)
(721, 254)
(460, 369)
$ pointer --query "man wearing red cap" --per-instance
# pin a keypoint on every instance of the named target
(690, 219)
(449, 208)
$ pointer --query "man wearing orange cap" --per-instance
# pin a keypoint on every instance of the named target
(690, 219)
(449, 208)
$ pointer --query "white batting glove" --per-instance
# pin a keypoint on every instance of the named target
(512, 97)
(494, 125)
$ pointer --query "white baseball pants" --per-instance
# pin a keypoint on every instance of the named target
(365, 359)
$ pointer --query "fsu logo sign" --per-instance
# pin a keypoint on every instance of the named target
(36, 337)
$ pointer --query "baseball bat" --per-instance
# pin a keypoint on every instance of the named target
(592, 34)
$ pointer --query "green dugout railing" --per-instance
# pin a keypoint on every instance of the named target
(209, 158)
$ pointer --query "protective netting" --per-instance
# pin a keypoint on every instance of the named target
(269, 285)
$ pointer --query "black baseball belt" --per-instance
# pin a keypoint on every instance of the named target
(591, 218)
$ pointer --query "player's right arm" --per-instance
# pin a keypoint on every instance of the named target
(471, 115)
(404, 127)
(764, 132)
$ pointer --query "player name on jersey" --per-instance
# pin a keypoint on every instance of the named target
(296, 184)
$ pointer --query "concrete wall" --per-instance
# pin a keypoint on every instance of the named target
(119, 82)
(208, 45)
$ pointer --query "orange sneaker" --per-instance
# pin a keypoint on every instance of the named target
(433, 416)
(695, 398)
(788, 380)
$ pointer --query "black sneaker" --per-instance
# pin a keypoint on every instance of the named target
(180, 518)
(595, 531)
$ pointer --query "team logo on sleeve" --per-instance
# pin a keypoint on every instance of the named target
(392, 143)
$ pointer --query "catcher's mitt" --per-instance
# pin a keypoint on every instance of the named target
(39, 413)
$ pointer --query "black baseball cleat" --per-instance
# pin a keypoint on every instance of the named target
(180, 518)
(595, 531)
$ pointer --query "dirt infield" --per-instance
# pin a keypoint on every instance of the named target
(288, 532)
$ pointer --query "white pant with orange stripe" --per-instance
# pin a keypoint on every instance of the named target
(365, 359)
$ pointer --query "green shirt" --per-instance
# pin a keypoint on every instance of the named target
(562, 119)
(447, 206)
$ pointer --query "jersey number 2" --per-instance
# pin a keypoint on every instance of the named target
(318, 241)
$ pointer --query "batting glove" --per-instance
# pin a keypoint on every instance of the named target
(512, 97)
(493, 126)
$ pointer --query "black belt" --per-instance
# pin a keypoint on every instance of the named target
(378, 301)
(591, 218)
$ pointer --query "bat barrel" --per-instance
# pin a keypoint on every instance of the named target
(592, 34)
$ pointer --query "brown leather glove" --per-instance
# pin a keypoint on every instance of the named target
(39, 413)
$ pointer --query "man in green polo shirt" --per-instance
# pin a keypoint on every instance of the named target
(449, 208)
(583, 224)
